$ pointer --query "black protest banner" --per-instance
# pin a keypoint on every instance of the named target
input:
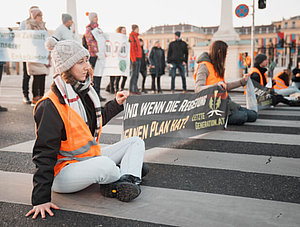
(167, 118)
(263, 95)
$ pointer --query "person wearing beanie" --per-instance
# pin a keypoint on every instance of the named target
(93, 49)
(258, 74)
(135, 58)
(64, 31)
(26, 77)
(69, 119)
(37, 70)
(177, 58)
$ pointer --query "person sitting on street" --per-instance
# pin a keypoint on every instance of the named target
(211, 71)
(258, 74)
(282, 83)
(69, 119)
(296, 76)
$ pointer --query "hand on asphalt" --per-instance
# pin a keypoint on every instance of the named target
(41, 209)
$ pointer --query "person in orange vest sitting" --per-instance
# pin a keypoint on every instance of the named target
(211, 71)
(282, 83)
(69, 119)
(258, 73)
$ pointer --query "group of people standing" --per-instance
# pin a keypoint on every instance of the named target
(176, 59)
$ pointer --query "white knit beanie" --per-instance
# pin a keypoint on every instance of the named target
(91, 15)
(65, 53)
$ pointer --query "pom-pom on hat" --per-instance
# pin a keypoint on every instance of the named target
(65, 53)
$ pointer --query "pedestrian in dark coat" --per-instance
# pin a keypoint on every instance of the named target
(177, 58)
(157, 61)
(144, 63)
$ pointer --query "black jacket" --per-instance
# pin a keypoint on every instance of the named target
(295, 71)
(144, 61)
(177, 52)
(157, 59)
(255, 76)
(50, 132)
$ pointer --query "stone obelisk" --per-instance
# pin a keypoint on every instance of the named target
(227, 33)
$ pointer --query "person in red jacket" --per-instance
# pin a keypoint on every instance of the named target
(135, 58)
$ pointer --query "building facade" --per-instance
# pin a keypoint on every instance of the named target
(280, 40)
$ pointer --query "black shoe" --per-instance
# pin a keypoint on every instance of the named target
(145, 91)
(145, 170)
(3, 109)
(26, 100)
(294, 102)
(109, 190)
(127, 188)
(102, 99)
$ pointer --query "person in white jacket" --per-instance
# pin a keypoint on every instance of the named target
(65, 31)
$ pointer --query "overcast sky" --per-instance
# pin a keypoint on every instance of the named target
(114, 13)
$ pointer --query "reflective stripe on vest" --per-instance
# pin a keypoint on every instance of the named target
(279, 83)
(80, 144)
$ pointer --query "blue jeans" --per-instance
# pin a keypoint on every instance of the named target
(239, 117)
(135, 70)
(173, 75)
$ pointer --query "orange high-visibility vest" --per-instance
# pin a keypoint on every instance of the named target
(213, 77)
(80, 144)
(279, 83)
(261, 81)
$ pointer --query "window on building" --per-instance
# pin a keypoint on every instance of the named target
(187, 39)
(293, 24)
(279, 26)
(285, 24)
(270, 40)
(168, 40)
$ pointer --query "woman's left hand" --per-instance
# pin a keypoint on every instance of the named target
(121, 96)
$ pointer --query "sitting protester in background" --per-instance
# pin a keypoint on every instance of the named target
(296, 76)
(282, 83)
(258, 74)
(211, 71)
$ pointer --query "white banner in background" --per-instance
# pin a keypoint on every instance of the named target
(114, 54)
(21, 46)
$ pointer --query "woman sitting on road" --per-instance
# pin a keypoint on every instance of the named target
(69, 120)
(211, 71)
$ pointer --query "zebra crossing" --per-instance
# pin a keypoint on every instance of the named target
(242, 176)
